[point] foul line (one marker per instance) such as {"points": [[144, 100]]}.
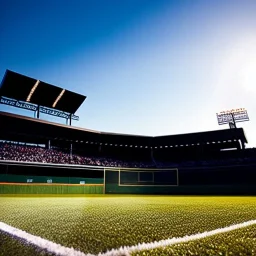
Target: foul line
{"points": [[122, 251]]}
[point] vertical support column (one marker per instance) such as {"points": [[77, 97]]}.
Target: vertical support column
{"points": [[38, 111], [119, 178], [71, 150], [177, 170], [238, 145], [70, 118], [202, 151], [152, 156], [49, 144], [104, 186], [233, 123], [242, 144], [151, 153]]}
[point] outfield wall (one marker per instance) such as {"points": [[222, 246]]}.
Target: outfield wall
{"points": [[8, 178], [36, 178], [19, 188], [184, 190], [221, 180]]}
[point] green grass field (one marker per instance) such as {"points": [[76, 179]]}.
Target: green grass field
{"points": [[99, 223]]}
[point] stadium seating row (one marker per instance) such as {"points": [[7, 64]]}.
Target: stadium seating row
{"points": [[32, 153]]}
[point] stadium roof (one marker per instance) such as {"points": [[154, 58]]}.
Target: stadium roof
{"points": [[23, 128], [27, 89], [204, 137]]}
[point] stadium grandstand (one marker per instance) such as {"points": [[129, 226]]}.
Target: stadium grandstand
{"points": [[38, 156]]}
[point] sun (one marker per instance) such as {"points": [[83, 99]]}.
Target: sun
{"points": [[237, 70]]}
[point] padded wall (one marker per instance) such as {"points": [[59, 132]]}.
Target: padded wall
{"points": [[50, 189], [58, 185], [48, 179]]}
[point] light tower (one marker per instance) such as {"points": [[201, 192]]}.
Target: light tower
{"points": [[232, 117]]}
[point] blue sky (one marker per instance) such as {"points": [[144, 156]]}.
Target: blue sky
{"points": [[147, 67]]}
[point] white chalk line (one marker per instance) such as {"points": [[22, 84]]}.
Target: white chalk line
{"points": [[41, 242], [122, 251]]}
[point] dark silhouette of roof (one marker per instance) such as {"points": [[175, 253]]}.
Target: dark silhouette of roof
{"points": [[27, 89], [35, 130]]}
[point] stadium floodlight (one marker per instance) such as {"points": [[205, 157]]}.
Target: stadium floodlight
{"points": [[32, 90], [232, 117]]}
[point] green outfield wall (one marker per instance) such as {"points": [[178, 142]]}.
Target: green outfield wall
{"points": [[50, 189], [23, 184], [183, 190], [31, 178], [216, 181], [48, 179]]}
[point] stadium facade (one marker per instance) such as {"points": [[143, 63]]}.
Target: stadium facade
{"points": [[41, 157]]}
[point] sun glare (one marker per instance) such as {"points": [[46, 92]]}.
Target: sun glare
{"points": [[237, 70], [248, 74]]}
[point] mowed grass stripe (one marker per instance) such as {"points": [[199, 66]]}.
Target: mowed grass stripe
{"points": [[126, 250]]}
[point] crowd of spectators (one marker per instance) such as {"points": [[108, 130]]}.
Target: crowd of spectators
{"points": [[32, 153], [27, 153]]}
